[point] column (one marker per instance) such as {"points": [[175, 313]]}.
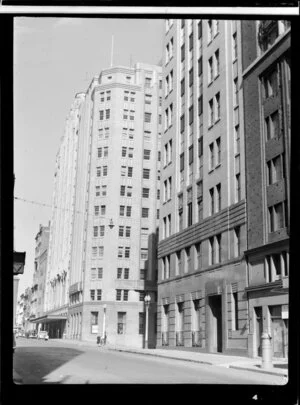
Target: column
{"points": [[282, 265]]}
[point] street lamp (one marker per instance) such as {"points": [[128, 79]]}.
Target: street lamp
{"points": [[104, 319], [147, 300]]}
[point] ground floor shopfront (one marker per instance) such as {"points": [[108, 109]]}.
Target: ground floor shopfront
{"points": [[207, 310], [268, 312], [54, 322]]}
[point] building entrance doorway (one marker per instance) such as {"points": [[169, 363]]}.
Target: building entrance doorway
{"points": [[279, 331], [215, 304]]}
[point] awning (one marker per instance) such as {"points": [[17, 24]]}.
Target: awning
{"points": [[49, 318]]}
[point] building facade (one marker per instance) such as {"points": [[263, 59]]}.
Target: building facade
{"points": [[60, 239], [202, 235], [112, 220], [267, 102], [39, 275]]}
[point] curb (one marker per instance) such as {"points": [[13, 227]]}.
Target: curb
{"points": [[203, 362], [285, 374], [161, 355]]}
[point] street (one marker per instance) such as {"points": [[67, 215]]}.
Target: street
{"points": [[46, 362]]}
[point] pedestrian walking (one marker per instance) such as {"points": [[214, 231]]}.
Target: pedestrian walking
{"points": [[98, 340]]}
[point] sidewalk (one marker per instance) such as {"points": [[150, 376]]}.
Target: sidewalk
{"points": [[280, 366]]}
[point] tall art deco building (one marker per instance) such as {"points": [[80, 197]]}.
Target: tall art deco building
{"points": [[202, 271], [102, 254]]}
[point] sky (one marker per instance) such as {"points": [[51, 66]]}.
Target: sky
{"points": [[55, 58]]}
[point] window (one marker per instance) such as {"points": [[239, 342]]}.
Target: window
{"points": [[209, 31], [191, 154], [141, 295], [191, 41], [101, 251], [121, 231], [182, 51], [122, 210], [104, 187], [105, 151], [127, 252], [198, 256], [101, 117], [237, 139], [237, 187], [210, 112], [124, 151], [119, 275], [122, 191], [199, 29], [93, 274], [99, 295], [211, 251], [182, 87], [218, 151], [219, 197], [94, 322], [237, 241], [129, 191], [234, 46], [128, 211], [129, 171], [218, 248], [142, 274], [99, 152], [102, 230], [210, 70], [96, 210], [100, 272], [121, 327], [95, 231], [191, 77], [236, 92], [144, 253], [92, 295], [211, 156], [190, 214], [104, 171], [216, 64], [147, 154], [270, 83], [107, 114], [127, 231], [182, 124], [103, 209], [126, 273], [182, 162], [272, 125], [277, 216], [191, 115], [217, 107], [94, 251], [97, 191], [200, 68], [146, 173], [141, 323], [145, 192], [125, 295], [200, 105], [130, 153], [99, 171], [275, 169], [118, 295], [212, 201], [147, 117], [145, 212]]}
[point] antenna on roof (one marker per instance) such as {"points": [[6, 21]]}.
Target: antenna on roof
{"points": [[112, 50]]}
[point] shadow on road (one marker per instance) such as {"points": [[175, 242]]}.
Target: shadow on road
{"points": [[33, 364]]}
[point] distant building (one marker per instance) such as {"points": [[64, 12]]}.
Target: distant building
{"points": [[202, 234], [102, 253], [39, 275], [267, 103]]}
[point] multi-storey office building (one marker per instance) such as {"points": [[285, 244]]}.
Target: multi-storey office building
{"points": [[61, 229], [39, 275], [112, 246], [202, 273], [267, 102]]}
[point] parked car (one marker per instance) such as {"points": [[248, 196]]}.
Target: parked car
{"points": [[43, 334], [33, 334]]}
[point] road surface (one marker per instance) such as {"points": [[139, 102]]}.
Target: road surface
{"points": [[46, 362]]}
